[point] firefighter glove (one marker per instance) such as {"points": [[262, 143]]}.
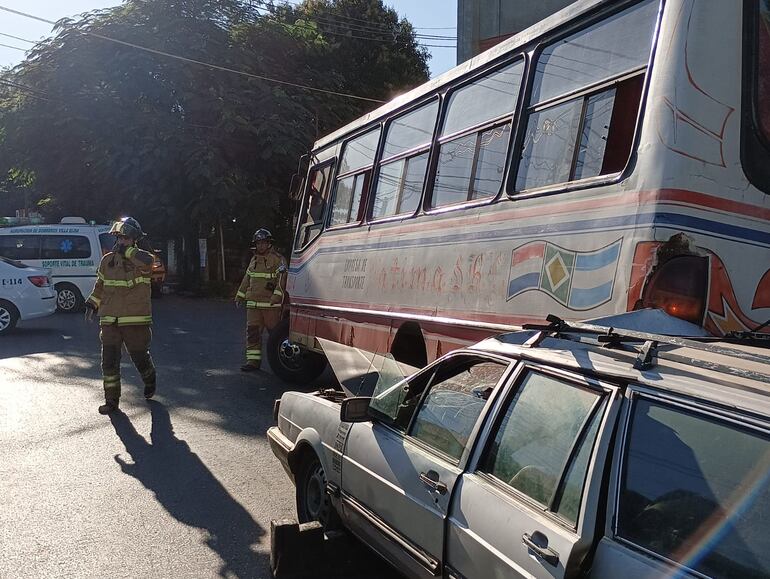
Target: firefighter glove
{"points": [[89, 312]]}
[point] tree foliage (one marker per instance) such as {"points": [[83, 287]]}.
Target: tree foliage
{"points": [[98, 128]]}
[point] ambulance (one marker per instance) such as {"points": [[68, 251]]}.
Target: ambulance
{"points": [[71, 250]]}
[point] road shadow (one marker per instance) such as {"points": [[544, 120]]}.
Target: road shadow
{"points": [[190, 493]]}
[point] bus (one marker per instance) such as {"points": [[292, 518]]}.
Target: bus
{"points": [[612, 157]]}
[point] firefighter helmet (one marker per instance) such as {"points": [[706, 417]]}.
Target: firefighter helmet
{"points": [[261, 235], [129, 227]]}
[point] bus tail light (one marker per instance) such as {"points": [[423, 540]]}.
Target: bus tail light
{"points": [[679, 287], [39, 280]]}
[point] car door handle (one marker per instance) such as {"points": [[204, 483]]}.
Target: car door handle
{"points": [[431, 480], [538, 543]]}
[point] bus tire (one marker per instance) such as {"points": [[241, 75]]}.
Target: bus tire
{"points": [[300, 368], [68, 298], [9, 316]]}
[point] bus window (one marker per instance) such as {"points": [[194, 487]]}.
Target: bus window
{"points": [[574, 130], [314, 206], [763, 69], [404, 162], [474, 137], [354, 175]]}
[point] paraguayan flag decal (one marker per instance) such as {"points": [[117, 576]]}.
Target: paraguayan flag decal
{"points": [[580, 280]]}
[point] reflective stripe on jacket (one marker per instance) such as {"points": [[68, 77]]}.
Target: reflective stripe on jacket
{"points": [[122, 293], [264, 278]]}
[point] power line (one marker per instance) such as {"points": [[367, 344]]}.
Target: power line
{"points": [[200, 62], [32, 92], [17, 38], [390, 33], [13, 47], [368, 22], [380, 39]]}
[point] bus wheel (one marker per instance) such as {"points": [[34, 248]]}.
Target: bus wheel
{"points": [[290, 362], [68, 298]]}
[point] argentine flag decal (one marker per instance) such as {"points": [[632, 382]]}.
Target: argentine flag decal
{"points": [[580, 280]]}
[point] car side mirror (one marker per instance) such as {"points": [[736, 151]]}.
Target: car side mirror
{"points": [[355, 409]]}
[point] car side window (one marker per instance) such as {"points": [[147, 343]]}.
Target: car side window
{"points": [[107, 242], [695, 489], [545, 436], [20, 246], [457, 395], [65, 247]]}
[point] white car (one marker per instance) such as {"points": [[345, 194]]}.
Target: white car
{"points": [[25, 293], [567, 450], [71, 249]]}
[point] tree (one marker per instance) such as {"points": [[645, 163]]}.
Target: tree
{"points": [[100, 128]]}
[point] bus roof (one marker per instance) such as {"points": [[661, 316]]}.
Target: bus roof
{"points": [[519, 40]]}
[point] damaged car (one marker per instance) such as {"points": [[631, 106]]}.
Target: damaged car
{"points": [[562, 450]]}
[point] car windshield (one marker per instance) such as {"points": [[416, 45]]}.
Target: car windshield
{"points": [[13, 263]]}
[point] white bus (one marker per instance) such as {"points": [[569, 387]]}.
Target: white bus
{"points": [[613, 156]]}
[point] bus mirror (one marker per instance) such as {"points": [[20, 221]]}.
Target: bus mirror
{"points": [[295, 187]]}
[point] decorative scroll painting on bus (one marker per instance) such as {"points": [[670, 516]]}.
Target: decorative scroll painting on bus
{"points": [[580, 280]]}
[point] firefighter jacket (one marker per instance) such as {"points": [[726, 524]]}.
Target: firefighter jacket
{"points": [[122, 293], [264, 282]]}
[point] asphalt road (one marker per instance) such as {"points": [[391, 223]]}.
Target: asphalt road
{"points": [[183, 486]]}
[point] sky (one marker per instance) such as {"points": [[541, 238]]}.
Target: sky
{"points": [[426, 15]]}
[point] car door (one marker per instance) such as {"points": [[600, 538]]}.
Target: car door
{"points": [[399, 470], [526, 505]]}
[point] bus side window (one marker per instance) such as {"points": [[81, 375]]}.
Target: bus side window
{"points": [[473, 147], [354, 177], [404, 162], [314, 206], [581, 123]]}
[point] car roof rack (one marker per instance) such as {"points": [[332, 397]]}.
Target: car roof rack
{"points": [[648, 353]]}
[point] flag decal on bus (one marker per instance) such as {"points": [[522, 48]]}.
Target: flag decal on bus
{"points": [[580, 280]]}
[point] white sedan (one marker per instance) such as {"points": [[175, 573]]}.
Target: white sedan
{"points": [[25, 293]]}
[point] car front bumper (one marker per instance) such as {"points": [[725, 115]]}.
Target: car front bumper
{"points": [[281, 447]]}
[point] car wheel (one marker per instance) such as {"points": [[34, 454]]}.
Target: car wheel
{"points": [[313, 503], [68, 298], [289, 362], [9, 316]]}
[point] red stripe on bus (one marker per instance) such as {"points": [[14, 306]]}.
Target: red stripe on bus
{"points": [[697, 200]]}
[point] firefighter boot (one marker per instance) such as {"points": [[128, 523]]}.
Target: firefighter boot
{"points": [[108, 407]]}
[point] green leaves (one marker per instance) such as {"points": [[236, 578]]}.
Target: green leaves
{"points": [[102, 128]]}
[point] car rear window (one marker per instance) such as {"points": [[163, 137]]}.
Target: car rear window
{"points": [[695, 490], [13, 263]]}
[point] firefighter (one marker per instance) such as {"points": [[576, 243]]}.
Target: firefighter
{"points": [[262, 289], [121, 299]]}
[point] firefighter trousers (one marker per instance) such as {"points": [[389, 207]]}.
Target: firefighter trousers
{"points": [[258, 320], [137, 340]]}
